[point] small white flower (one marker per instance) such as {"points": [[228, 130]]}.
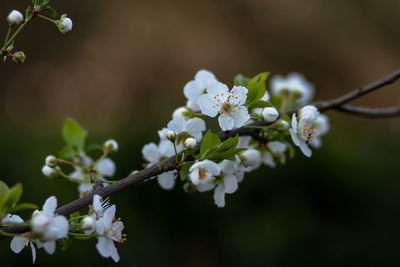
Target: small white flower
{"points": [[88, 225], [15, 17], [108, 229], [197, 87], [302, 132], [228, 184], [190, 143], [251, 157], [294, 84], [65, 24], [19, 242], [51, 161], [202, 172], [110, 146], [321, 128], [187, 128], [49, 226], [153, 154], [270, 114], [229, 104]]}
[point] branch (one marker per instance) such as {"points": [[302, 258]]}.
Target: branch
{"points": [[372, 113], [389, 79], [169, 164]]}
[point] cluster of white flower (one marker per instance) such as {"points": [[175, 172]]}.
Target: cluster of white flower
{"points": [[208, 97]]}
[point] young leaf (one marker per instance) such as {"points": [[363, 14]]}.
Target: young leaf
{"points": [[260, 104], [24, 206], [241, 80], [12, 198], [3, 190], [185, 169], [51, 11], [73, 134], [210, 142], [256, 88]]}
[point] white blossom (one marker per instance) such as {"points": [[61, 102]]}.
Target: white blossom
{"points": [[302, 131], [51, 172], [294, 84], [187, 128], [321, 128], [228, 183], [108, 229], [153, 154], [49, 226], [65, 24], [15, 17], [197, 87], [228, 104], [251, 157], [203, 171]]}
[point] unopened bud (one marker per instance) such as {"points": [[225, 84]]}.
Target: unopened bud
{"points": [[171, 136], [51, 172], [251, 157], [256, 112], [270, 114], [15, 17], [189, 188], [190, 143], [87, 224], [281, 125], [110, 146], [64, 24], [181, 112], [51, 161], [19, 57]]}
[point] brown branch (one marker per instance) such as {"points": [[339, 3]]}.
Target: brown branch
{"points": [[372, 113], [389, 79], [169, 164]]}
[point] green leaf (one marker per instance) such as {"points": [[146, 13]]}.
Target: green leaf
{"points": [[241, 80], [229, 144], [24, 206], [39, 3], [11, 198], [185, 169], [73, 134], [260, 104], [256, 88], [74, 214], [276, 100], [229, 155], [210, 142], [227, 150], [286, 118], [291, 150], [94, 147], [3, 190], [51, 10]]}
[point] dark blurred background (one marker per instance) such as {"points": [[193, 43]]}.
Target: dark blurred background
{"points": [[121, 72]]}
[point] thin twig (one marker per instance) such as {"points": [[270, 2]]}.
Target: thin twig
{"points": [[372, 113]]}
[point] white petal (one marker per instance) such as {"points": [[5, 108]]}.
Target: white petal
{"points": [[195, 125], [10, 218], [219, 196], [218, 88], [316, 142], [230, 184], [208, 105], [166, 180], [239, 94], [33, 252], [62, 225], [265, 97], [106, 167], [109, 215], [163, 133], [212, 166], [226, 122], [294, 122], [192, 90], [97, 200], [106, 248], [177, 124], [166, 148], [194, 176], [241, 116], [295, 138], [268, 160], [205, 187], [228, 166], [305, 149], [85, 188], [50, 247], [50, 205], [244, 141], [204, 77], [193, 105], [18, 243], [150, 152]]}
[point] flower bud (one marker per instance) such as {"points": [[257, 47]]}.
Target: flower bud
{"points": [[256, 112], [15, 17], [64, 24], [181, 112], [190, 143], [87, 224], [270, 114], [110, 146], [40, 222], [281, 125], [171, 136], [51, 172], [19, 57], [51, 161], [251, 157]]}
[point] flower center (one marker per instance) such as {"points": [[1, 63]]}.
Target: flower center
{"points": [[308, 131], [202, 173], [226, 107]]}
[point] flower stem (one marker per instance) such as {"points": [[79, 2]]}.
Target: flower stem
{"points": [[6, 234], [72, 178], [176, 153], [7, 36], [18, 31], [77, 218], [46, 18]]}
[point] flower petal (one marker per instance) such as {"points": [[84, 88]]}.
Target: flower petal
{"points": [[205, 187], [33, 251], [239, 95], [230, 184], [192, 90], [150, 152], [166, 148], [50, 205], [219, 196], [62, 225], [226, 122], [106, 167], [177, 124], [50, 247], [166, 180], [241, 116], [305, 149], [18, 243], [195, 126], [208, 105]]}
